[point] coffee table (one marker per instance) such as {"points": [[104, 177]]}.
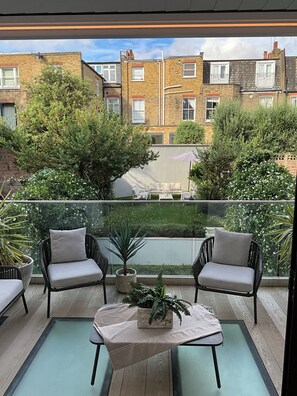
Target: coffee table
{"points": [[212, 341]]}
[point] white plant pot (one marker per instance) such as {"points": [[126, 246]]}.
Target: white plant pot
{"points": [[143, 315], [123, 281], [26, 271]]}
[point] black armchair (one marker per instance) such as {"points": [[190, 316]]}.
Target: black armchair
{"points": [[229, 279], [12, 288], [76, 274]]}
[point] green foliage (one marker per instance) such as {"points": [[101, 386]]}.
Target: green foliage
{"points": [[258, 177], [232, 122], [189, 132], [6, 139], [156, 299], [49, 184], [126, 243], [102, 148], [283, 233], [56, 97], [211, 173], [13, 238], [276, 128]]}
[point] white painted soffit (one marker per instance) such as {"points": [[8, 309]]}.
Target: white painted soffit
{"points": [[142, 18]]}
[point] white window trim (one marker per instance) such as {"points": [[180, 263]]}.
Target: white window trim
{"points": [[15, 76], [109, 68], [263, 82], [266, 104], [194, 106], [294, 101], [187, 63], [216, 79], [141, 74], [214, 99], [136, 120], [109, 101]]}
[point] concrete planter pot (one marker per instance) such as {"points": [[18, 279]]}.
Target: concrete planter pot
{"points": [[123, 281], [26, 271], [143, 315]]}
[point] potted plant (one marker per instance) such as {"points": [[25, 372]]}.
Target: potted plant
{"points": [[126, 243], [155, 306], [13, 240]]}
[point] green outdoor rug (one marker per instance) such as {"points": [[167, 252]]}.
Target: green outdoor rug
{"points": [[61, 364]]}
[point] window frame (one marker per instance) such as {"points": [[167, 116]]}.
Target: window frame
{"points": [[262, 97], [156, 135], [194, 69], [211, 99], [11, 104], [265, 81], [108, 68], [293, 102], [188, 109], [109, 104], [140, 68], [134, 119], [216, 78], [15, 77]]}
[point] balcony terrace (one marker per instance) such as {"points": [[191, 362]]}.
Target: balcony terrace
{"points": [[184, 223]]}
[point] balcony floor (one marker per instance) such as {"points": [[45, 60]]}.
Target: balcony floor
{"points": [[19, 333]]}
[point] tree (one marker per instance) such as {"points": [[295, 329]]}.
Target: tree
{"points": [[189, 132], [101, 148], [55, 98], [212, 172], [64, 126]]}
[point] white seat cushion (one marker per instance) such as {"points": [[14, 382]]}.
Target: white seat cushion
{"points": [[227, 277], [9, 289], [73, 273]]}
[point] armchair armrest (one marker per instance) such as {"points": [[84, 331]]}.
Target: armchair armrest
{"points": [[93, 251], [204, 255]]}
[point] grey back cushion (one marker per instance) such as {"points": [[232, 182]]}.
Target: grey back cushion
{"points": [[231, 248], [68, 245]]}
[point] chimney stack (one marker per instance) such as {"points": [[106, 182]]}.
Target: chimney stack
{"points": [[129, 55], [265, 55]]}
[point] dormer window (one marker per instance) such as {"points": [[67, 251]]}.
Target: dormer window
{"points": [[265, 74], [219, 73]]}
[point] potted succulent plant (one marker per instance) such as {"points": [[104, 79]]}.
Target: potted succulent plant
{"points": [[155, 306], [13, 240], [126, 243]]}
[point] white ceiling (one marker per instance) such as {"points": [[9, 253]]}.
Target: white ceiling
{"points": [[146, 18]]}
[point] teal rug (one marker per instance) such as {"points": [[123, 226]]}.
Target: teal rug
{"points": [[61, 364]]}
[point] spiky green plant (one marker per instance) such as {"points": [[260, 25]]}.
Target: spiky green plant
{"points": [[13, 240], [157, 300], [126, 243], [283, 233]]}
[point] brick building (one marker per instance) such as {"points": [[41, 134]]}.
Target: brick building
{"points": [[163, 92], [16, 70]]}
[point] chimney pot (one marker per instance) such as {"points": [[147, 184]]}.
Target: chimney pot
{"points": [[265, 55], [275, 45]]}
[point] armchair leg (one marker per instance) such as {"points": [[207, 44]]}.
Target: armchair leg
{"points": [[104, 293], [196, 295], [48, 303], [25, 303], [255, 308]]}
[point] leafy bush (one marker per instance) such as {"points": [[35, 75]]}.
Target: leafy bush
{"points": [[189, 132], [258, 177]]}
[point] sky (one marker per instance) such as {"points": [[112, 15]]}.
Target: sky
{"points": [[108, 50]]}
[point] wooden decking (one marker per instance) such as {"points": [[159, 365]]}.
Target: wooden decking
{"points": [[19, 333]]}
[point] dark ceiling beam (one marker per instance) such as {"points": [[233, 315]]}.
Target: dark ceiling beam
{"points": [[221, 24]]}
